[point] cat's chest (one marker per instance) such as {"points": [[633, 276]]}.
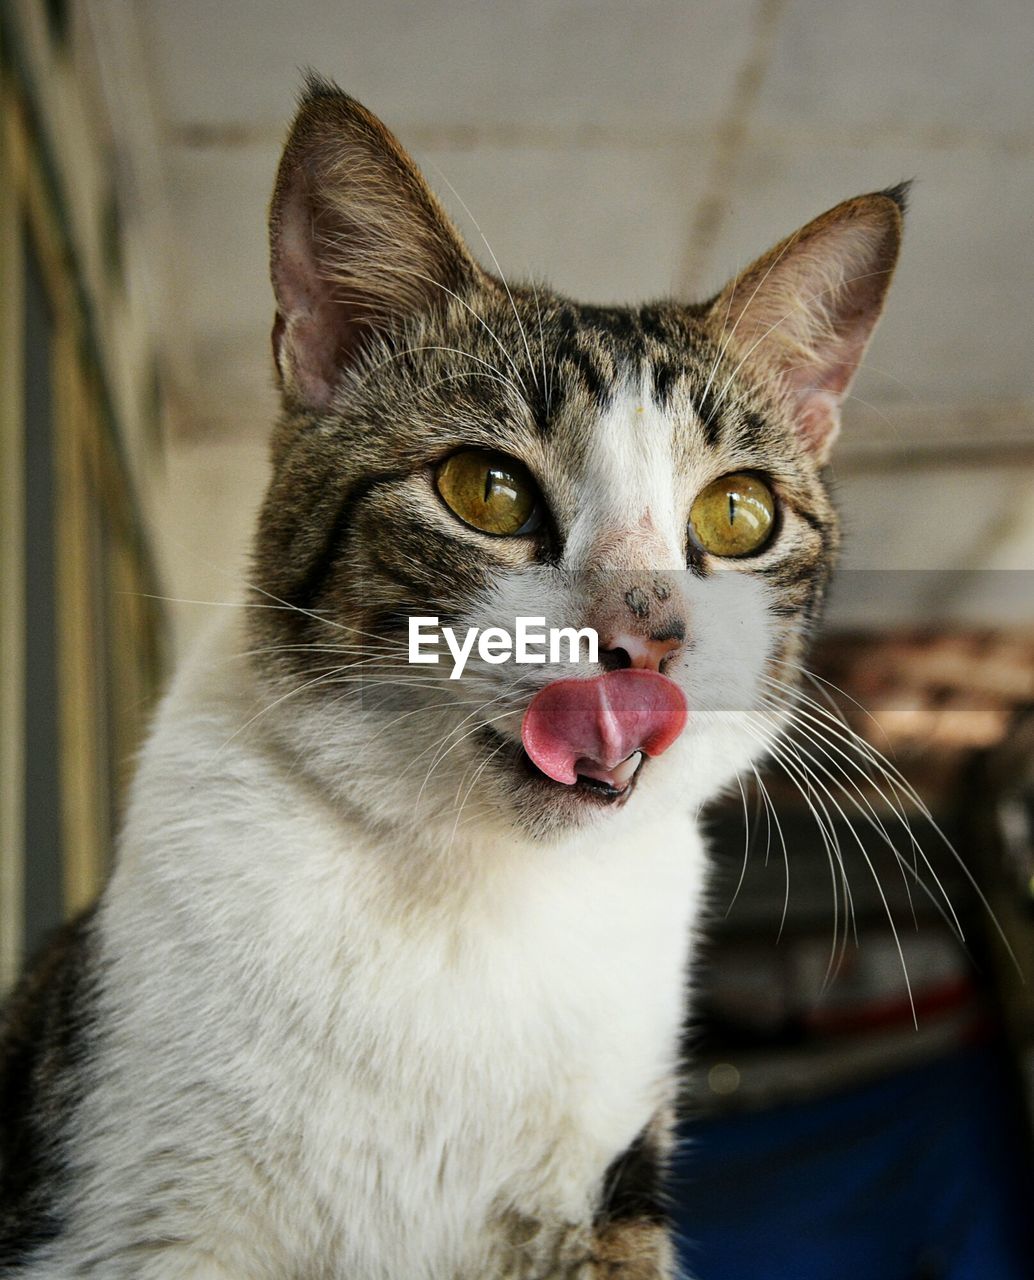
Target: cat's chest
{"points": [[388, 1068], [504, 1069]]}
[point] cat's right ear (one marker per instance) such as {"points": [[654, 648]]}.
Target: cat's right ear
{"points": [[358, 243], [804, 313]]}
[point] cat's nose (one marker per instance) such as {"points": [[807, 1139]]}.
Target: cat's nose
{"points": [[646, 652]]}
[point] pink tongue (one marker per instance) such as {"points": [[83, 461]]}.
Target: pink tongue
{"points": [[591, 726]]}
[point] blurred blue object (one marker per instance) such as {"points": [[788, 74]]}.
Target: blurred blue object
{"points": [[921, 1176]]}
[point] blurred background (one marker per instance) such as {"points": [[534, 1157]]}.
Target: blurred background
{"points": [[845, 1121]]}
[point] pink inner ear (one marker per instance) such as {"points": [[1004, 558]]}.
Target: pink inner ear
{"points": [[818, 421], [310, 329], [819, 390], [313, 342], [817, 414]]}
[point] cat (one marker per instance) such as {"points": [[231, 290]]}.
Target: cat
{"points": [[389, 976]]}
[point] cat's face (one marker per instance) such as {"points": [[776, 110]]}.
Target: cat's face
{"points": [[454, 447]]}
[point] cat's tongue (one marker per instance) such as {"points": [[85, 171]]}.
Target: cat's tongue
{"points": [[594, 727]]}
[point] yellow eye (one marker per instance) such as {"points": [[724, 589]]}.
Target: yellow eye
{"points": [[733, 515], [490, 491]]}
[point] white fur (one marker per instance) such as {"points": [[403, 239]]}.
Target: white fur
{"points": [[630, 485], [359, 1075]]}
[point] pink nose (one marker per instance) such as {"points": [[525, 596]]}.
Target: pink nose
{"points": [[641, 652]]}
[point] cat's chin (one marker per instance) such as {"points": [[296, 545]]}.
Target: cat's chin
{"points": [[562, 802]]}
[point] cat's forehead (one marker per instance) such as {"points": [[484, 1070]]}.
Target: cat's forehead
{"points": [[563, 350], [607, 389]]}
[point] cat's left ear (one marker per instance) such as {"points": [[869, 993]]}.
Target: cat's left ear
{"points": [[805, 311], [359, 245]]}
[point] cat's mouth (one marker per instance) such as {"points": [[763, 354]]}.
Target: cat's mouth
{"points": [[589, 738], [593, 734], [592, 784], [611, 786]]}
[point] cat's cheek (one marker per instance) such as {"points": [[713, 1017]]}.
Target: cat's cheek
{"points": [[733, 631]]}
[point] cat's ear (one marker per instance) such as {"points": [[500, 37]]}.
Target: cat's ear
{"points": [[358, 242], [805, 311]]}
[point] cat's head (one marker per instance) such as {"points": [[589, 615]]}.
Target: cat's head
{"points": [[458, 447]]}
